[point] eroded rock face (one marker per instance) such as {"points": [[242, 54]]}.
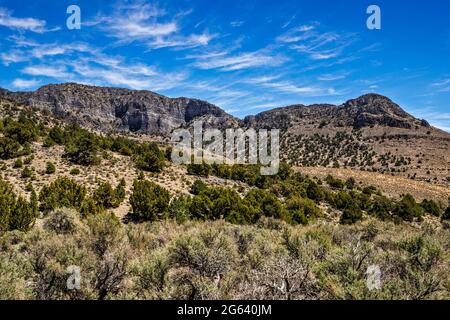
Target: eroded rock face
{"points": [[113, 109], [365, 111], [123, 110]]}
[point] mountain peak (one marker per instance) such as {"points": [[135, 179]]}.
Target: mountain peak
{"points": [[376, 104], [375, 109]]}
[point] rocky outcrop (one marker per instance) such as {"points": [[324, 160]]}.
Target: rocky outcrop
{"points": [[366, 111], [114, 109]]}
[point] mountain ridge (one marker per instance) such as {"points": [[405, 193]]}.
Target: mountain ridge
{"points": [[369, 133], [147, 112]]}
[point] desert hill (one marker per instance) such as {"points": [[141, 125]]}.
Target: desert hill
{"points": [[369, 133]]}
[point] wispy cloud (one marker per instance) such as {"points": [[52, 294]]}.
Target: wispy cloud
{"points": [[182, 42], [102, 69], [232, 62], [438, 119], [307, 39], [56, 72], [25, 84], [24, 24], [332, 77], [55, 49], [288, 87], [441, 85], [287, 23], [13, 56], [149, 25]]}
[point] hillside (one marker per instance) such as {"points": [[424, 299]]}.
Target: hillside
{"points": [[370, 133], [140, 227]]}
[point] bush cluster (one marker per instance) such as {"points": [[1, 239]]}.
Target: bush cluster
{"points": [[16, 213]]}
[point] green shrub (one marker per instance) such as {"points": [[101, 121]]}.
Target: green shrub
{"points": [[198, 187], [26, 173], [431, 207], [22, 131], [381, 207], [18, 163], [63, 192], [351, 215], [148, 200], [301, 211], [408, 209], [225, 201], [105, 196], [334, 182], [150, 158], [350, 183], [50, 168], [343, 200], [446, 215], [82, 149], [265, 204], [201, 207], [120, 192], [23, 216], [202, 170], [15, 213], [9, 148], [74, 171], [89, 207], [179, 208], [56, 135], [314, 192]]}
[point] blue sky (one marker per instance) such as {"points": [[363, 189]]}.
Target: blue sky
{"points": [[244, 56]]}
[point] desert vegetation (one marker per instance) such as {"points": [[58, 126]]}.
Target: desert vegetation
{"points": [[219, 260], [245, 236]]}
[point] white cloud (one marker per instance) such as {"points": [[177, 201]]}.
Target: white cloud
{"points": [[438, 119], [57, 72], [442, 85], [332, 77], [192, 41], [13, 56], [288, 87], [113, 72], [149, 25], [22, 42], [317, 45], [240, 61], [297, 34], [287, 23], [25, 24], [42, 50], [262, 79], [25, 84]]}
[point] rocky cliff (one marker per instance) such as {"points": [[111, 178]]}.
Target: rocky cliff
{"points": [[114, 109]]}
